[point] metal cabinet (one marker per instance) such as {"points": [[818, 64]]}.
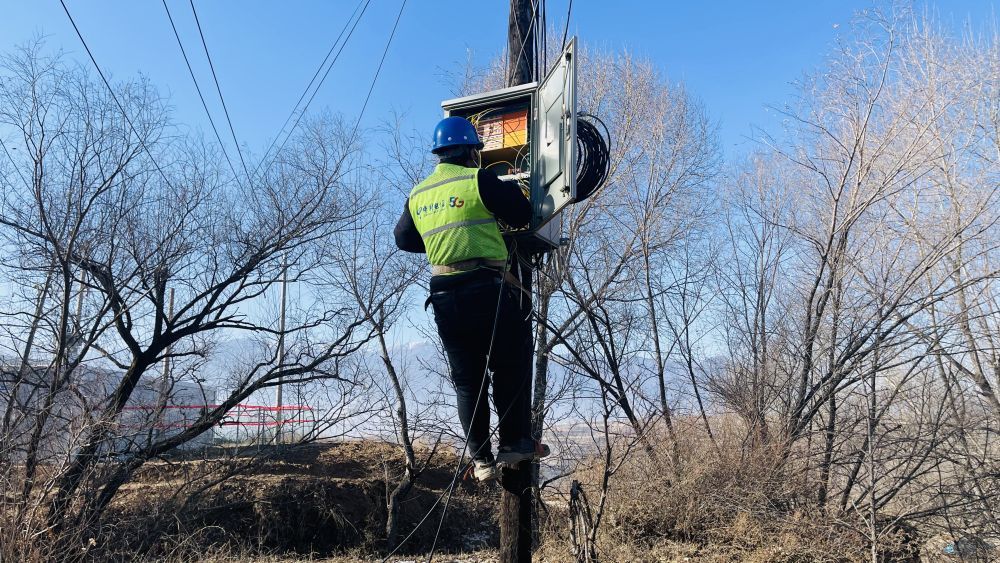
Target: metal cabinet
{"points": [[530, 137]]}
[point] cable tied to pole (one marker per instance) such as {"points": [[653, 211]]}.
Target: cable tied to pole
{"points": [[447, 493]]}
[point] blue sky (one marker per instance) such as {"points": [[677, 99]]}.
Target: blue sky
{"points": [[736, 56]]}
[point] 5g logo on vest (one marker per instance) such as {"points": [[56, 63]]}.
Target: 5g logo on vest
{"points": [[439, 206]]}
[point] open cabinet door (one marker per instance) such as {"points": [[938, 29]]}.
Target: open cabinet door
{"points": [[555, 154]]}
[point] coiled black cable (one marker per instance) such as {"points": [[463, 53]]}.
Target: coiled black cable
{"points": [[593, 164]]}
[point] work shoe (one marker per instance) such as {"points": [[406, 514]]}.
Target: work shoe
{"points": [[484, 470], [528, 450]]}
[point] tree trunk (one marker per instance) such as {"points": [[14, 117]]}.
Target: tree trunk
{"points": [[824, 472], [396, 497]]}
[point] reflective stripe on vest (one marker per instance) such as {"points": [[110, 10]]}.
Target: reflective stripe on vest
{"points": [[452, 219]]}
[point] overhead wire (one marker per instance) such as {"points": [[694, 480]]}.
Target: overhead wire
{"points": [[378, 70], [569, 12], [540, 50], [218, 89], [363, 6], [475, 409], [114, 96], [500, 418], [201, 96]]}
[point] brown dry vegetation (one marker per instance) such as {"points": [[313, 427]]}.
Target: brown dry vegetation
{"points": [[729, 505], [309, 501], [327, 501], [317, 501]]}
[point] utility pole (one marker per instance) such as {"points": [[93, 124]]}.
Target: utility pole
{"points": [[166, 360], [163, 422], [516, 503], [35, 321], [279, 418], [520, 41]]}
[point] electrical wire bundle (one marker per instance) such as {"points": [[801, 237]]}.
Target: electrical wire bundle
{"points": [[477, 117], [593, 156]]}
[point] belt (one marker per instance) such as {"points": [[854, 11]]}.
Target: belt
{"points": [[469, 265]]}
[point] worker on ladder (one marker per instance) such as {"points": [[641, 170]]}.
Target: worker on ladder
{"points": [[481, 311]]}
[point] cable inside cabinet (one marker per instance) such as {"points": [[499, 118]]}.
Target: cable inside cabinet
{"points": [[529, 133]]}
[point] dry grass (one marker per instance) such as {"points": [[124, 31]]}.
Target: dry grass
{"points": [[327, 503], [731, 504], [309, 503]]}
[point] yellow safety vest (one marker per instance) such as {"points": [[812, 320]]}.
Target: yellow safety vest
{"points": [[452, 219]]}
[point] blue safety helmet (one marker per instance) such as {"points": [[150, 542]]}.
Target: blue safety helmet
{"points": [[452, 131]]}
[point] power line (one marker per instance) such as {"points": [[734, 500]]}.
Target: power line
{"points": [[541, 63], [569, 11], [501, 417], [363, 6], [379, 69], [451, 486], [113, 95], [200, 95], [447, 491], [219, 90]]}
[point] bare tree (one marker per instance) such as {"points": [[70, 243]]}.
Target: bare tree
{"points": [[848, 278], [113, 209], [378, 276], [627, 265]]}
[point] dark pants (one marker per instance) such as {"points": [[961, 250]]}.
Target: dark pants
{"points": [[464, 309]]}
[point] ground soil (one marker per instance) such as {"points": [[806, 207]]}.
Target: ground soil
{"points": [[313, 501]]}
